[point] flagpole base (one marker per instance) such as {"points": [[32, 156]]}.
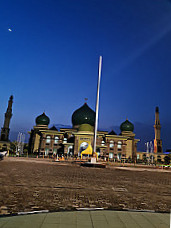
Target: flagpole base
{"points": [[94, 158]]}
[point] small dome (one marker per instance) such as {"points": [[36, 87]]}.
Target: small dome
{"points": [[112, 133], [127, 126], [54, 128], [42, 120], [83, 115], [85, 127]]}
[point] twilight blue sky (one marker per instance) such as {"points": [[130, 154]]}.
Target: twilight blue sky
{"points": [[50, 61]]}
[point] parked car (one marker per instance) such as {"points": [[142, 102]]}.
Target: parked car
{"points": [[3, 154], [1, 157]]}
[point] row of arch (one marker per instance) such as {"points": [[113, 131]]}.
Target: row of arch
{"points": [[119, 144], [56, 140], [48, 139]]}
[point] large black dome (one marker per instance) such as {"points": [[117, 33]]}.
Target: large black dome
{"points": [[127, 126], [83, 115], [42, 120]]}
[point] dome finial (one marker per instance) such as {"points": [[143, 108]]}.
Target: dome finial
{"points": [[86, 99]]}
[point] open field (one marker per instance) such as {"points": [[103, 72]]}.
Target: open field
{"points": [[31, 184]]}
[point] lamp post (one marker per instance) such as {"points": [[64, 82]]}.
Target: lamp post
{"points": [[147, 151], [151, 151]]}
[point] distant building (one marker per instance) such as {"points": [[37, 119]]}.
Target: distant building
{"points": [[78, 140], [4, 139], [157, 154]]}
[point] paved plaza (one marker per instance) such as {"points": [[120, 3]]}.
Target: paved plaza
{"points": [[88, 219], [38, 184], [28, 185]]}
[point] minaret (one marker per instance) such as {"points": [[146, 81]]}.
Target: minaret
{"points": [[157, 129], [5, 129]]}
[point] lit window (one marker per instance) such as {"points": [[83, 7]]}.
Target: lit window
{"points": [[119, 156], [70, 150], [110, 155], [56, 139], [103, 143], [111, 144], [46, 151], [54, 151], [119, 145], [48, 139], [65, 140]]}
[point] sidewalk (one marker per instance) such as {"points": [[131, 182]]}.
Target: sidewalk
{"points": [[88, 219]]}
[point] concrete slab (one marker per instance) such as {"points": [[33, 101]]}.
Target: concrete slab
{"points": [[88, 219]]}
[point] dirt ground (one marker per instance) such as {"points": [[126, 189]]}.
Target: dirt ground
{"points": [[32, 184]]}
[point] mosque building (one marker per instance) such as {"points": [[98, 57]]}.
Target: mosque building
{"points": [[4, 138], [78, 140]]}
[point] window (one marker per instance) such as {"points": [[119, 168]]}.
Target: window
{"points": [[103, 143], [54, 151], [98, 151], [110, 155], [65, 140], [56, 139], [46, 151], [70, 150], [119, 145], [119, 156], [111, 145], [48, 139]]}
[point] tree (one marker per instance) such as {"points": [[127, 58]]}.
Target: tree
{"points": [[144, 158], [13, 146], [167, 160], [25, 148], [159, 159]]}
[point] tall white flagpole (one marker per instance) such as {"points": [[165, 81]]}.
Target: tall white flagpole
{"points": [[97, 105]]}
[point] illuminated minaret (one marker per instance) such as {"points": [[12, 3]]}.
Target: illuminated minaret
{"points": [[157, 129], [5, 129]]}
